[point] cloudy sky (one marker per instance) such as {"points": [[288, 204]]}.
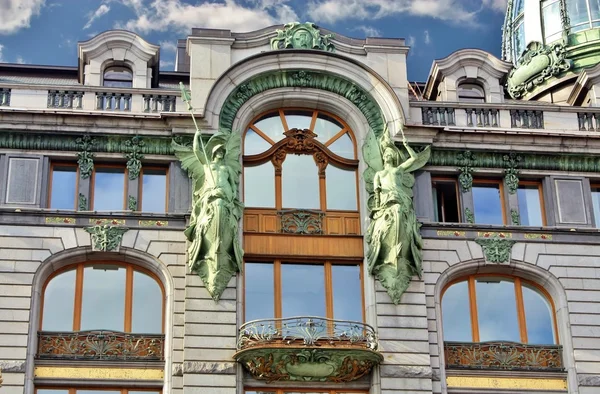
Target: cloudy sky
{"points": [[47, 31]]}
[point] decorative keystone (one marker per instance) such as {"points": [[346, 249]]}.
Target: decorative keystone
{"points": [[106, 238], [496, 249], [298, 35]]}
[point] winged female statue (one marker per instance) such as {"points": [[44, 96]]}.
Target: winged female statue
{"points": [[395, 244], [214, 251]]}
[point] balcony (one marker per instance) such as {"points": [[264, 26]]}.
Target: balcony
{"points": [[307, 348], [100, 346]]}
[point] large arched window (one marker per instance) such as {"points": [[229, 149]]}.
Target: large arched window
{"points": [[103, 296], [484, 308]]}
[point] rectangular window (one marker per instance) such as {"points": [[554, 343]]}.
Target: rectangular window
{"points": [[445, 200], [109, 188], [153, 197], [531, 206], [284, 289], [488, 202], [596, 204], [63, 186]]}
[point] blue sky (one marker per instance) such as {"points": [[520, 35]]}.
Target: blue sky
{"points": [[47, 31]]}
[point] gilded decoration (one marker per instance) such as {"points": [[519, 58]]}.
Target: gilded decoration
{"points": [[509, 383], [539, 63], [59, 220], [113, 222], [85, 157], [101, 373], [153, 223], [301, 221], [451, 233], [214, 251], [547, 237], [106, 238], [496, 248], [503, 356], [134, 156], [100, 345], [395, 245], [298, 35], [307, 349]]}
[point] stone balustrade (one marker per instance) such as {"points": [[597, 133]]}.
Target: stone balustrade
{"points": [[4, 97], [68, 99]]}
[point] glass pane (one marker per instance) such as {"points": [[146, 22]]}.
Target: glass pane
{"points": [[260, 291], [64, 181], [519, 32], [343, 146], [456, 313], [530, 206], [271, 125], [538, 317], [298, 119], [341, 188], [497, 310], [109, 189], [347, 292], [519, 4], [488, 204], [52, 391], [596, 205], [259, 186], [103, 299], [326, 127], [551, 20], [146, 315], [595, 9], [254, 143], [154, 191], [59, 301], [578, 12], [302, 290], [300, 182]]}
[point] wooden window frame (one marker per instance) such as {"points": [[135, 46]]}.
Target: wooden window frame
{"points": [[128, 301], [500, 183], [541, 195], [518, 286], [328, 276], [141, 186], [73, 390], [593, 186], [322, 179], [51, 181], [441, 179]]}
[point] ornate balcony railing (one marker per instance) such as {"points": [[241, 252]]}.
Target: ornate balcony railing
{"points": [[588, 121], [65, 99], [107, 101], [4, 97], [526, 119], [100, 345], [503, 356], [308, 349], [159, 103], [297, 221], [482, 117], [442, 116]]}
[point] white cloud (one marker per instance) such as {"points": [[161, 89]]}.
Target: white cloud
{"points": [[1, 58], [168, 46], [369, 31], [16, 14], [411, 41], [20, 60], [175, 15], [426, 37], [166, 64], [102, 10], [452, 11]]}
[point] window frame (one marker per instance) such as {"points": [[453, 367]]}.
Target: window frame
{"points": [[51, 181], [466, 98], [73, 390], [500, 183], [595, 187], [541, 196], [141, 186], [116, 66], [518, 283], [277, 285], [93, 183], [443, 179], [128, 301]]}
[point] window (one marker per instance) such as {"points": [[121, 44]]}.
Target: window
{"points": [[63, 186], [583, 14], [484, 308], [303, 391], [531, 204], [283, 289], [110, 189], [471, 93], [596, 204], [488, 202], [551, 20], [518, 28], [118, 77], [103, 296], [445, 200], [318, 179], [112, 390]]}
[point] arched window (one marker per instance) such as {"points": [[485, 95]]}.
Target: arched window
{"points": [[551, 22], [518, 28], [118, 77], [483, 308], [103, 296], [471, 92]]}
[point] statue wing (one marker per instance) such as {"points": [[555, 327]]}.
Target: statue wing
{"points": [[422, 159], [190, 162], [372, 155], [233, 151]]}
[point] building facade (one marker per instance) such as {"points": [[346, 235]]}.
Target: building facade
{"points": [[397, 237]]}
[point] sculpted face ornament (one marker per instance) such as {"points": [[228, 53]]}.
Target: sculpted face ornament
{"points": [[302, 36], [302, 39]]}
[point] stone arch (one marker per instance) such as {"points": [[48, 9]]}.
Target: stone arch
{"points": [[531, 272], [78, 255], [346, 78]]}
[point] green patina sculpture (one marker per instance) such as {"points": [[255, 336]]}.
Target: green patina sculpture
{"points": [[302, 36], [496, 249], [106, 238], [395, 245], [214, 251]]}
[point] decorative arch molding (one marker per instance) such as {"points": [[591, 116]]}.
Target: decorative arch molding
{"points": [[528, 271], [315, 70], [68, 257]]}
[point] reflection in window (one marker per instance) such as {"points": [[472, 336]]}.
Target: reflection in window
{"points": [[259, 186], [109, 189], [596, 204], [104, 295], [118, 77], [343, 146], [63, 185], [519, 39], [488, 203], [300, 182], [496, 308], [154, 190], [301, 289], [551, 21], [578, 15], [530, 204], [298, 119], [471, 93], [341, 188]]}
